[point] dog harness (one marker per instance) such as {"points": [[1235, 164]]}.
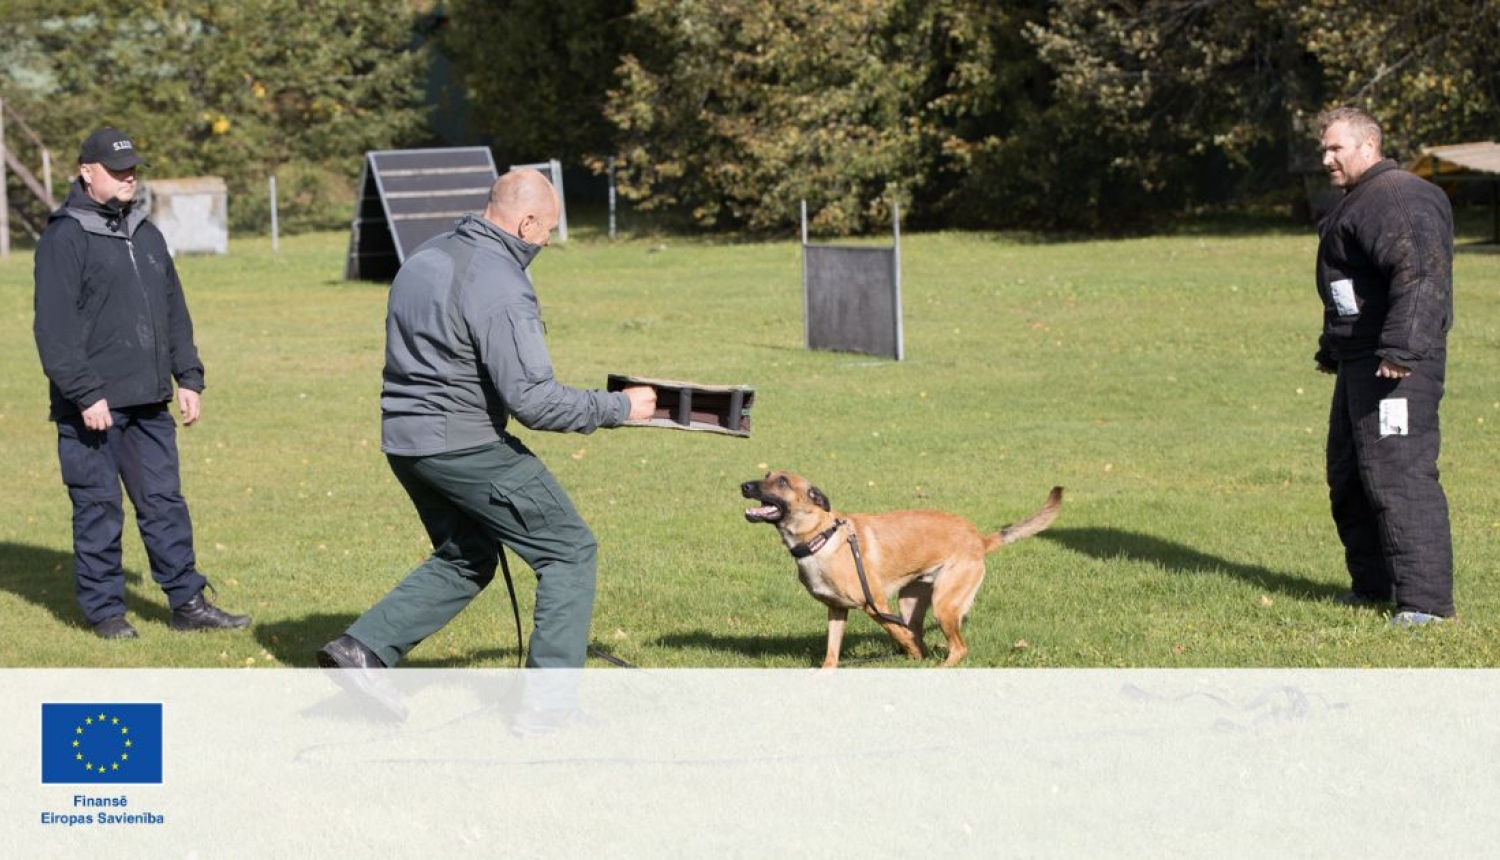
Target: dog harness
{"points": [[803, 550]]}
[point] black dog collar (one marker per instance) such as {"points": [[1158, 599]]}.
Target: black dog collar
{"points": [[803, 550]]}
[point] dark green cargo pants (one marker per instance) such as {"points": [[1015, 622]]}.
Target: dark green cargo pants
{"points": [[472, 502]]}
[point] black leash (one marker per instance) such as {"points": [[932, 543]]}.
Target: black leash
{"points": [[803, 550], [609, 658], [859, 567], [515, 608], [515, 611]]}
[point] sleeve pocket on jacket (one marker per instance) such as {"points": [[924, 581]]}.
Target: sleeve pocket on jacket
{"points": [[531, 346]]}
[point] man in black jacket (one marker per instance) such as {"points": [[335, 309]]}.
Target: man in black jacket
{"points": [[1385, 275], [113, 332]]}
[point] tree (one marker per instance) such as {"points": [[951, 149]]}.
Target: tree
{"points": [[988, 91], [1427, 70], [1162, 103], [226, 88], [534, 73], [1195, 102], [737, 110]]}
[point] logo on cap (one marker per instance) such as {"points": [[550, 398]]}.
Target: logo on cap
{"points": [[111, 148]]}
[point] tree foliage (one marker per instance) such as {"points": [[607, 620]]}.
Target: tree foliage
{"points": [[1429, 70], [1040, 114], [1164, 102], [1201, 101], [739, 110], [535, 72], [1068, 113], [225, 88], [968, 113]]}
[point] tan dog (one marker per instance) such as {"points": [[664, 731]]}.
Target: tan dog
{"points": [[929, 558]]}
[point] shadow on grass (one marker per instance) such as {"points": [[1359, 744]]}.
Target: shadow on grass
{"points": [[44, 577], [810, 648], [505, 658], [295, 641], [1108, 544]]}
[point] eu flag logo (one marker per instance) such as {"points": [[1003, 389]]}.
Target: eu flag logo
{"points": [[97, 743]]}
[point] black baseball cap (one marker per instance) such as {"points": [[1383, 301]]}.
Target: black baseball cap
{"points": [[111, 148]]}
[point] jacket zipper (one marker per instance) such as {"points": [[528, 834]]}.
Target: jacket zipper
{"points": [[150, 311]]}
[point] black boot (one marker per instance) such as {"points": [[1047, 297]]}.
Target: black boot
{"points": [[114, 627], [199, 614], [362, 673], [346, 652]]}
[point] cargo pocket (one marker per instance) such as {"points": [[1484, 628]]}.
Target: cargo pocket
{"points": [[87, 469], [527, 491], [531, 344]]}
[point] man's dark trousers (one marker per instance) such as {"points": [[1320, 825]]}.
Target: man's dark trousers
{"points": [[472, 502], [1390, 510], [140, 450]]}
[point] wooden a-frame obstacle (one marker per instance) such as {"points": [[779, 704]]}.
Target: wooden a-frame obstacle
{"points": [[407, 196]]}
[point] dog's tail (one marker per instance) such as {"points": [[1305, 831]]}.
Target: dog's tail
{"points": [[1029, 526]]}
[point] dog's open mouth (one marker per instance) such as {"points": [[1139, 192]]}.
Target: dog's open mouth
{"points": [[770, 509], [765, 514]]}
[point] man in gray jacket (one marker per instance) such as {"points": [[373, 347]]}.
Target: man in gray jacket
{"points": [[464, 355], [1385, 275]]}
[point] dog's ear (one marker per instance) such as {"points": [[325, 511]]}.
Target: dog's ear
{"points": [[816, 496]]}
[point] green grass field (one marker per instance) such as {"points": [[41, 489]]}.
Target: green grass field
{"points": [[1167, 382]]}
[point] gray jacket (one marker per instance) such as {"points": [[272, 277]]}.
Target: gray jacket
{"points": [[464, 350]]}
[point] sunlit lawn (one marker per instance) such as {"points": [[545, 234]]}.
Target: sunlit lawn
{"points": [[1167, 382]]}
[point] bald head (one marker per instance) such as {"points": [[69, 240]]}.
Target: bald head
{"points": [[524, 204]]}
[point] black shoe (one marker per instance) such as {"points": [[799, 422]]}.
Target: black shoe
{"points": [[362, 675], [115, 627], [346, 652], [199, 614], [1354, 598]]}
